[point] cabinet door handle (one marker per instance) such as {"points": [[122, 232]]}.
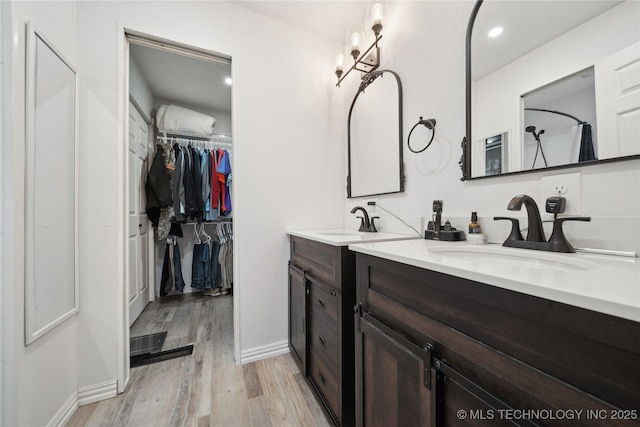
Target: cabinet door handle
{"points": [[322, 304], [324, 344], [324, 381]]}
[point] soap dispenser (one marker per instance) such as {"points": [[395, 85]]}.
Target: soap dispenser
{"points": [[475, 235], [474, 227]]}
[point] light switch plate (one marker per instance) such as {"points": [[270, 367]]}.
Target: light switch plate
{"points": [[568, 186]]}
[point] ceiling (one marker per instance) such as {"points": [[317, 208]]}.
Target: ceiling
{"points": [[329, 18], [527, 25], [191, 82], [184, 80]]}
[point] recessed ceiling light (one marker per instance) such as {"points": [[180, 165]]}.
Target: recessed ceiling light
{"points": [[495, 32], [228, 81]]}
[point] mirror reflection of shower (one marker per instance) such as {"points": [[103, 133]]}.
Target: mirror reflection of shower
{"points": [[565, 109], [532, 131]]}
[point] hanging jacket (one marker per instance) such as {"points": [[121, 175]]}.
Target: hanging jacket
{"points": [[178, 185], [158, 187], [215, 184]]}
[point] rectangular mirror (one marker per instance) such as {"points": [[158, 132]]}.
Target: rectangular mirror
{"points": [[51, 250]]}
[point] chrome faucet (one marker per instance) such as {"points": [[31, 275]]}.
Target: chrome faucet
{"points": [[535, 232], [366, 225]]}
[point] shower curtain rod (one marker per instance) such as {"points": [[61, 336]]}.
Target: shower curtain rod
{"points": [[580, 122]]}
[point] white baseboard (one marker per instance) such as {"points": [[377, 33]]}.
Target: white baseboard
{"points": [[97, 392], [65, 412], [264, 352]]}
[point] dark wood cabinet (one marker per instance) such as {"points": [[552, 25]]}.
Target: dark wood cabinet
{"points": [[494, 357], [297, 316], [391, 378], [328, 273]]}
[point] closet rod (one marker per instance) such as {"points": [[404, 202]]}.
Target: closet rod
{"points": [[213, 221], [195, 141]]}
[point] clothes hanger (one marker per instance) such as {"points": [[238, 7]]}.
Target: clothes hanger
{"points": [[197, 236], [220, 233], [208, 238]]}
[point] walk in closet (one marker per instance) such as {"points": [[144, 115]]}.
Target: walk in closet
{"points": [[180, 174]]}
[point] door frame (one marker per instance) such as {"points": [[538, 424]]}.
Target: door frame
{"points": [[123, 367]]}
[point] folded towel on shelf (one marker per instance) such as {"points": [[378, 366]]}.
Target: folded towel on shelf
{"points": [[174, 119]]}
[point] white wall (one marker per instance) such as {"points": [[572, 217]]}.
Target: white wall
{"points": [[283, 100], [139, 90], [44, 374], [2, 267], [424, 43]]}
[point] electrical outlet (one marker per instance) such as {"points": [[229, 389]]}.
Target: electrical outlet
{"points": [[567, 186], [560, 189]]}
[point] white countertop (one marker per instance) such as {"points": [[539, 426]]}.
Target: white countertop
{"points": [[341, 237], [602, 283]]}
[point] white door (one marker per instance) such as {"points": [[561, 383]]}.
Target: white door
{"points": [[139, 277], [618, 103]]}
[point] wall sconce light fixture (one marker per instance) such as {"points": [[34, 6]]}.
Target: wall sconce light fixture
{"points": [[370, 59]]}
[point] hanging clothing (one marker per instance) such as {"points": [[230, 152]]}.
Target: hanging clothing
{"points": [[171, 270], [157, 187], [215, 183], [189, 184], [167, 214], [226, 266], [214, 266], [178, 185], [223, 171], [586, 144], [200, 268]]}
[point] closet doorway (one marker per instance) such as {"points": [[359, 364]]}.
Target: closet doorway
{"points": [[172, 90]]}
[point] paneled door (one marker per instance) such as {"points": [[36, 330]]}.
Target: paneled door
{"points": [[139, 237], [618, 106], [392, 376]]}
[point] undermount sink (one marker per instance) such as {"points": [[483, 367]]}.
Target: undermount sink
{"points": [[514, 257]]}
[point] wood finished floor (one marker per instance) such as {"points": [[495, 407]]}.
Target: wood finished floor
{"points": [[206, 388]]}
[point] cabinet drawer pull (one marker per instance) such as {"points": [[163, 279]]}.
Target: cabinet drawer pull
{"points": [[322, 304], [324, 344], [324, 381]]}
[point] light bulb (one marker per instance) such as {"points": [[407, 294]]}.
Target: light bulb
{"points": [[495, 32], [340, 61], [376, 13], [355, 41]]}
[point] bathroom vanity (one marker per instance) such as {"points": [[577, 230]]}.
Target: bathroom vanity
{"points": [[449, 334], [321, 300]]}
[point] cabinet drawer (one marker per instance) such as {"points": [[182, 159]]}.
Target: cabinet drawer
{"points": [[318, 259], [323, 304], [324, 381], [324, 343]]}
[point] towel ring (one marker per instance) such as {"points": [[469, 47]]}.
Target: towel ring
{"points": [[429, 124]]}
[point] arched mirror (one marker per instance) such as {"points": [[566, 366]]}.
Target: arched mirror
{"points": [[551, 84], [375, 136]]}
